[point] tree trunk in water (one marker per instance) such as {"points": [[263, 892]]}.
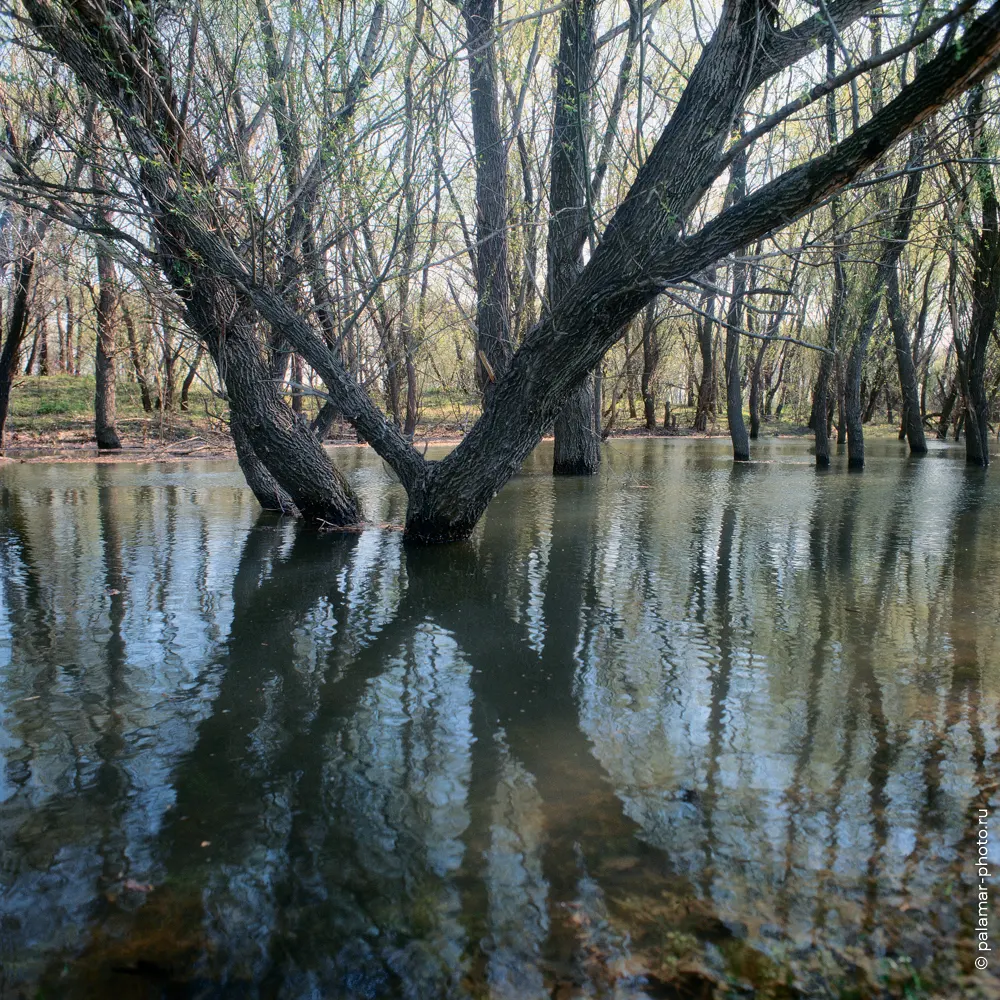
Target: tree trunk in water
{"points": [[820, 405], [705, 326], [650, 361], [985, 297], [754, 401], [734, 394], [104, 349], [576, 450], [913, 425], [284, 444], [262, 484], [947, 408]]}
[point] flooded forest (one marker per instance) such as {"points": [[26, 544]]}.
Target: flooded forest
{"points": [[495, 499]]}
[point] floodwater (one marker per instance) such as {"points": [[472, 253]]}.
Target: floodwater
{"points": [[685, 730]]}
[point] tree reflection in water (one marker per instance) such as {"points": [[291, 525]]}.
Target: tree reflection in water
{"points": [[628, 741]]}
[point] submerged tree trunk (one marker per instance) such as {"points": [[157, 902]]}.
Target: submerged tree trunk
{"points": [[985, 296], [734, 317], [705, 328], [912, 423], [576, 448], [754, 400], [650, 362]]}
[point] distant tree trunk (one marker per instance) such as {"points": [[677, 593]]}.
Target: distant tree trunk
{"points": [[43, 350], [912, 423], [576, 448], [136, 356], [104, 358], [650, 362], [705, 327], [193, 371], [755, 393]]}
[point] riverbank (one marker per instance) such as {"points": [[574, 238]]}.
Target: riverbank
{"points": [[51, 420]]}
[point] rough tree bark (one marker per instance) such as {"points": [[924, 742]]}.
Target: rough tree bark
{"points": [[493, 337], [104, 349], [734, 316], [913, 425], [650, 362], [705, 328], [576, 449], [835, 321], [971, 348]]}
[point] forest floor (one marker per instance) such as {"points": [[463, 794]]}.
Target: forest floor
{"points": [[51, 419]]}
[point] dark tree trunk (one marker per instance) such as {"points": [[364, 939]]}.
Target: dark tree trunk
{"points": [[912, 424], [43, 350], [985, 297], [755, 393], [104, 354], [707, 387], [948, 402], [576, 449], [17, 324], [193, 371], [650, 362], [493, 337], [734, 394], [262, 484], [136, 356]]}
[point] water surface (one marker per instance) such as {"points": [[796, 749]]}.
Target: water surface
{"points": [[687, 729]]}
